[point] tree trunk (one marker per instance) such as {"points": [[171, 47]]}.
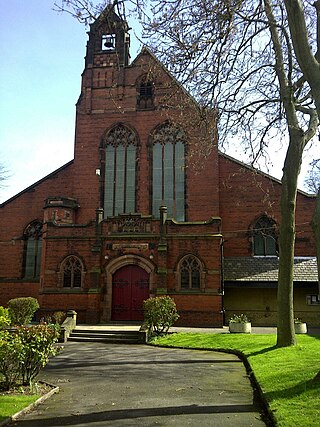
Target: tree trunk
{"points": [[285, 334], [316, 232]]}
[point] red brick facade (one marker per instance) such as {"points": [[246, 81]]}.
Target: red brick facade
{"points": [[184, 259]]}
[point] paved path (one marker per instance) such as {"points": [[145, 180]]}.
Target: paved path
{"points": [[139, 385]]}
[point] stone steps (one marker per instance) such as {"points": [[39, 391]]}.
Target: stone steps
{"points": [[110, 336]]}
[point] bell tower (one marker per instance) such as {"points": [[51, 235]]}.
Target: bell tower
{"points": [[109, 41]]}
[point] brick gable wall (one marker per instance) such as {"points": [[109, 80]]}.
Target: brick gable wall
{"points": [[245, 194]]}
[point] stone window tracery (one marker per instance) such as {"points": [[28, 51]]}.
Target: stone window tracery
{"points": [[190, 273], [71, 272], [264, 237]]}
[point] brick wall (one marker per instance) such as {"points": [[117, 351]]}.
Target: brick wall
{"points": [[244, 196]]}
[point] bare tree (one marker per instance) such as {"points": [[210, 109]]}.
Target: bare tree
{"points": [[3, 176], [257, 62], [86, 11]]}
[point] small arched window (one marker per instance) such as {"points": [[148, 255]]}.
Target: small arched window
{"points": [[190, 273], [32, 250], [71, 272], [145, 96], [264, 237]]}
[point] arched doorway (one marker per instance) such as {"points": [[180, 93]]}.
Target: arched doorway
{"points": [[130, 287]]}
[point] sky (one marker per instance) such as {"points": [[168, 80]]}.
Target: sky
{"points": [[42, 58]]}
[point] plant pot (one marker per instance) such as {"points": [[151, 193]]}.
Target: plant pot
{"points": [[300, 328], [239, 328]]}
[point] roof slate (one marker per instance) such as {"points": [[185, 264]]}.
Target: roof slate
{"points": [[265, 269]]}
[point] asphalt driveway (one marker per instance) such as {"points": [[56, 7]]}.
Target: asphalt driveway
{"points": [[139, 385]]}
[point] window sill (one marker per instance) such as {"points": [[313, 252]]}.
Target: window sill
{"points": [[64, 291], [191, 291], [146, 109], [70, 291]]}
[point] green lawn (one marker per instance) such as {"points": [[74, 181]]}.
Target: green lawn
{"points": [[13, 403], [284, 374]]}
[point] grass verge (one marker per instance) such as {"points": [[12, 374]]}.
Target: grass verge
{"points": [[10, 404], [286, 375]]}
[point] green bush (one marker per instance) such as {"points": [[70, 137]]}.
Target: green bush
{"points": [[239, 318], [159, 314], [59, 317], [11, 349], [4, 317], [21, 310], [38, 345], [24, 352]]}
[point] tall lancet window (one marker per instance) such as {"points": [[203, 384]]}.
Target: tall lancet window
{"points": [[32, 250], [120, 171], [168, 171]]}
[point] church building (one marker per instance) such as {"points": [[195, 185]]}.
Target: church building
{"points": [[149, 207]]}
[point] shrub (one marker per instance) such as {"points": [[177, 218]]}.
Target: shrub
{"points": [[11, 349], [160, 313], [239, 318], [24, 352], [59, 317], [38, 345], [21, 310], [4, 317]]}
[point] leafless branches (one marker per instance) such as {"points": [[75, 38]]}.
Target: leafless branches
{"points": [[224, 53], [4, 175], [86, 11], [312, 181]]}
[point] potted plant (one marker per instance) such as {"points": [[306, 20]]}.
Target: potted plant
{"points": [[239, 324], [300, 327]]}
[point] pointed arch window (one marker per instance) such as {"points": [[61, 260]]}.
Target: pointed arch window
{"points": [[190, 273], [265, 237], [145, 97], [72, 272], [120, 171], [32, 250], [168, 171]]}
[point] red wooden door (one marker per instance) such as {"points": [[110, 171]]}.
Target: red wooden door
{"points": [[130, 287]]}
